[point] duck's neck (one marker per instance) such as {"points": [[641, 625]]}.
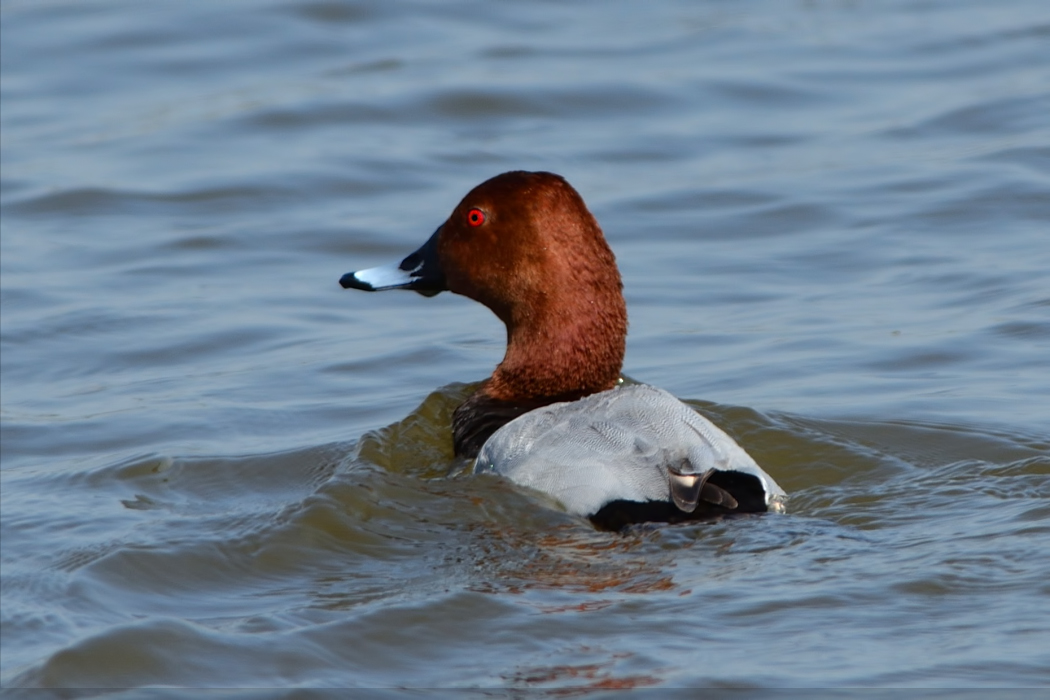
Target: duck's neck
{"points": [[550, 358], [562, 353]]}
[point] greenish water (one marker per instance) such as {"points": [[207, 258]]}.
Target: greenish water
{"points": [[220, 469]]}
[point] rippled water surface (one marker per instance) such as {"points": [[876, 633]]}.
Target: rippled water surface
{"points": [[220, 469]]}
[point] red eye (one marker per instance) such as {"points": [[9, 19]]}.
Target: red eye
{"points": [[475, 217]]}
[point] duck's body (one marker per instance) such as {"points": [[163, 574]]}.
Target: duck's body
{"points": [[632, 445], [550, 417]]}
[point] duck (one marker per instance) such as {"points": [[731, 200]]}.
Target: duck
{"points": [[556, 416]]}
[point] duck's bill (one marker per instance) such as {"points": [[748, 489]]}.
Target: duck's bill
{"points": [[420, 272]]}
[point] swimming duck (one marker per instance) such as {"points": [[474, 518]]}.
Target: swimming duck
{"points": [[554, 416]]}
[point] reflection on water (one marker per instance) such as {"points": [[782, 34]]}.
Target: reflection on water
{"points": [[350, 550], [830, 219]]}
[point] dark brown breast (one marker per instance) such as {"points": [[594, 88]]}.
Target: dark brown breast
{"points": [[481, 415]]}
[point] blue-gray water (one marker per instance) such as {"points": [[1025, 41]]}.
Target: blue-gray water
{"points": [[220, 469]]}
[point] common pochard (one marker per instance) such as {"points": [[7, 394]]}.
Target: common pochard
{"points": [[555, 415]]}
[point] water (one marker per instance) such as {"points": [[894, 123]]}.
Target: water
{"points": [[220, 469]]}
